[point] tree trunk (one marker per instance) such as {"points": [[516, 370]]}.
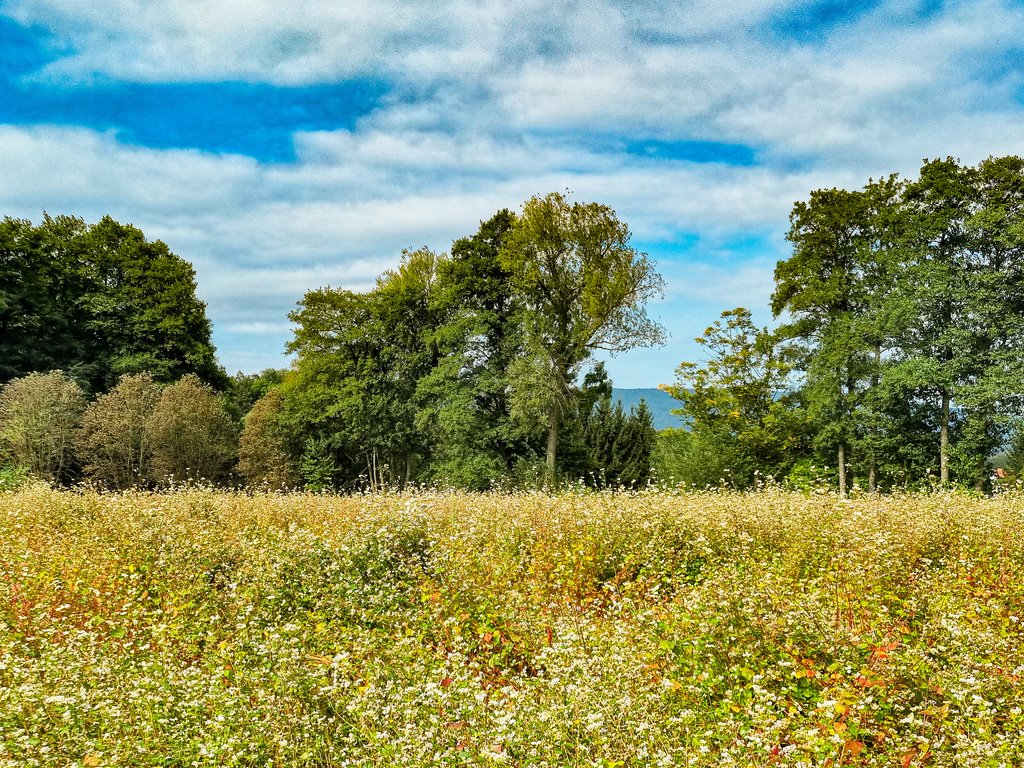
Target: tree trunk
{"points": [[842, 469], [944, 441], [552, 451], [873, 459]]}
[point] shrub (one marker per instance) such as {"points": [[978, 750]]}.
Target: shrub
{"points": [[263, 457], [114, 445], [39, 416], [190, 432]]}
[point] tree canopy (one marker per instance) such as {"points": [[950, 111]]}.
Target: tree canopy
{"points": [[583, 288], [903, 304], [99, 302]]}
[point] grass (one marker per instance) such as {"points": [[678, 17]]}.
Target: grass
{"points": [[205, 628]]}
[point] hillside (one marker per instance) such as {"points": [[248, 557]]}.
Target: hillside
{"points": [[660, 403]]}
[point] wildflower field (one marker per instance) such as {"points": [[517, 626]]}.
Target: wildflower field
{"points": [[207, 628]]}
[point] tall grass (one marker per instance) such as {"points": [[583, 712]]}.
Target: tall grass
{"points": [[206, 628]]}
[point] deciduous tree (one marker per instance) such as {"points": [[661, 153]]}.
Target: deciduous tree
{"points": [[583, 288], [264, 455], [190, 433]]}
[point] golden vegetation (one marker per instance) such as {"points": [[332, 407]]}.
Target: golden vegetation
{"points": [[203, 628]]}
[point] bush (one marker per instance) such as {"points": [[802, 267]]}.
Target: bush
{"points": [[263, 457], [191, 434], [39, 416], [114, 444]]}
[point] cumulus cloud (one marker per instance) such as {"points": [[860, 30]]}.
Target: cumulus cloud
{"points": [[482, 105]]}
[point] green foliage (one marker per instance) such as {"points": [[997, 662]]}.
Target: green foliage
{"points": [[452, 368], [583, 288], [190, 434], [618, 447], [13, 477], [465, 411], [908, 301], [316, 467], [39, 418], [807, 476], [98, 301], [145, 309], [245, 389], [360, 357], [739, 406]]}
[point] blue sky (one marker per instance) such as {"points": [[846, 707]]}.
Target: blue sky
{"points": [[282, 148]]}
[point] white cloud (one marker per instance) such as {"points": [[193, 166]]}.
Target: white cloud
{"points": [[494, 102]]}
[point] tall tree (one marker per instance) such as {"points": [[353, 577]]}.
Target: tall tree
{"points": [[583, 288], [991, 395], [836, 288], [144, 309], [43, 284], [98, 302], [360, 356], [822, 285], [464, 407]]}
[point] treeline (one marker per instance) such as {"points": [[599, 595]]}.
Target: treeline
{"points": [[474, 368], [900, 356], [471, 369], [898, 360]]}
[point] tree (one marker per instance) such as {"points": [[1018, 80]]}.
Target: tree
{"points": [[43, 283], [583, 288], [935, 345], [619, 446], [190, 433], [264, 457], [352, 394], [145, 309], [821, 285], [113, 445], [98, 302], [245, 389], [990, 397], [739, 405], [464, 409], [39, 417]]}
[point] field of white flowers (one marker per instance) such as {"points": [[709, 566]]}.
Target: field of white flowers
{"points": [[204, 628]]}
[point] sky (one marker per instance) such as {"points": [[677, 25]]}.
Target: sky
{"points": [[280, 147]]}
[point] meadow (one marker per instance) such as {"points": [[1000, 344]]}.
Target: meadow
{"points": [[657, 628]]}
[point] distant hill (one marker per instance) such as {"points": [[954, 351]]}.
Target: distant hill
{"points": [[660, 403]]}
